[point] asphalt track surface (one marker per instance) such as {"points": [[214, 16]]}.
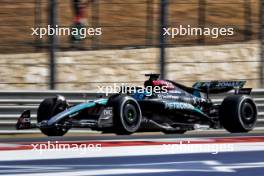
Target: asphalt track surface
{"points": [[230, 164], [136, 155]]}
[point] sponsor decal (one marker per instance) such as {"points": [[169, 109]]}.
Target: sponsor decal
{"points": [[221, 84], [229, 84], [178, 105], [168, 97], [108, 112]]}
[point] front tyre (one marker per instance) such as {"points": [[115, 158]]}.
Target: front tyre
{"points": [[47, 109], [126, 115], [238, 113]]}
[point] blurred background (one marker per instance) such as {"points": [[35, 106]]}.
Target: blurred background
{"points": [[131, 43]]}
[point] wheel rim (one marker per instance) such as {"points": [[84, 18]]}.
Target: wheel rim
{"points": [[131, 115], [248, 114]]}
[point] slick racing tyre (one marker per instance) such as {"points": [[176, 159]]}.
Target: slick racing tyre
{"points": [[126, 115], [47, 109], [238, 113]]}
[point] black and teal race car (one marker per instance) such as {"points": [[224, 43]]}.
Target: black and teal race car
{"points": [[175, 109]]}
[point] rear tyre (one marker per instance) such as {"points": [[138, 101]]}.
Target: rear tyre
{"points": [[126, 115], [238, 113], [47, 109]]}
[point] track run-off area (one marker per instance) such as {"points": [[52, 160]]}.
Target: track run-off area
{"points": [[197, 153]]}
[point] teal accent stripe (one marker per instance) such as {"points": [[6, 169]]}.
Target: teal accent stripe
{"points": [[75, 109], [87, 105]]}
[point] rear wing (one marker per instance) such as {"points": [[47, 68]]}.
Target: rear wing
{"points": [[218, 86]]}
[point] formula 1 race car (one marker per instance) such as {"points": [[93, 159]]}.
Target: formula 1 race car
{"points": [[161, 105]]}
